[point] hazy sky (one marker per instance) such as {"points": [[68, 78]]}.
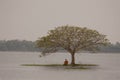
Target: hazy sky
{"points": [[31, 19]]}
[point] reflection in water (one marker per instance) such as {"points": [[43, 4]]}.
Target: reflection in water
{"points": [[10, 68]]}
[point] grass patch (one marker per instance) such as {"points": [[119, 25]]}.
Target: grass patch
{"points": [[60, 66], [42, 65]]}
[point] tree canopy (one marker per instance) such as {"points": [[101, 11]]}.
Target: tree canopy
{"points": [[72, 39]]}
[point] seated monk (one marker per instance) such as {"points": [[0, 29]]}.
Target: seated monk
{"points": [[66, 62]]}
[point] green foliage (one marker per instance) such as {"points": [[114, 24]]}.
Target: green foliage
{"points": [[72, 39]]}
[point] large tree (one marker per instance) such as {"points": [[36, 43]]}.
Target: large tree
{"points": [[72, 39]]}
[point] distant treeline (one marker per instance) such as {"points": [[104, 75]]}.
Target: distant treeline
{"points": [[18, 45], [111, 48]]}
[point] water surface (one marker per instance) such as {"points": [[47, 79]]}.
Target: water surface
{"points": [[11, 69]]}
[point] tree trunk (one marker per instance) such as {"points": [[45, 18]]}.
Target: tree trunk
{"points": [[73, 59]]}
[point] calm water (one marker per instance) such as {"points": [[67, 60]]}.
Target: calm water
{"points": [[11, 69]]}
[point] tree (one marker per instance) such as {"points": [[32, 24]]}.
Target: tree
{"points": [[72, 39]]}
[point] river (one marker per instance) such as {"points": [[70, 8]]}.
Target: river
{"points": [[11, 69]]}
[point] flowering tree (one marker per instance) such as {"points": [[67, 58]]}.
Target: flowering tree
{"points": [[71, 39]]}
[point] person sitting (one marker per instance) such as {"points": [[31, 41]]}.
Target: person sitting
{"points": [[66, 62]]}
